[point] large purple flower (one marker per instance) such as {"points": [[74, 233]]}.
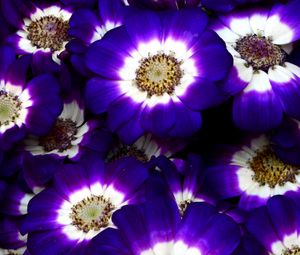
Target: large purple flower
{"points": [[156, 228], [65, 217], [266, 85], [254, 173], [276, 226], [155, 73], [24, 104]]}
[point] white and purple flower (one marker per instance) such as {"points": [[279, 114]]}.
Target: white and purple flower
{"points": [[43, 29], [157, 228], [155, 73], [265, 83], [23, 104], [254, 173], [276, 226], [80, 204]]}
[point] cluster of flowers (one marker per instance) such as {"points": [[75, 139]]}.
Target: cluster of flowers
{"points": [[149, 127]]}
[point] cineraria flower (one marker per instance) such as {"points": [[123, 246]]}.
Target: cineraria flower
{"points": [[255, 173], [11, 241], [182, 180], [156, 228], [71, 136], [276, 226], [155, 73], [43, 30], [87, 26], [63, 218], [286, 141], [145, 148], [266, 84], [25, 104], [162, 4]]}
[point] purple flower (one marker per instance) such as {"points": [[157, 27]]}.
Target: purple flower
{"points": [[155, 73], [88, 26], [71, 136], [157, 228], [79, 205], [11, 241], [43, 29], [265, 84], [276, 226], [181, 180], [146, 148], [24, 105], [254, 173]]}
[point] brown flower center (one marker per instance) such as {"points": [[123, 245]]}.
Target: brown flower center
{"points": [[92, 213], [260, 52], [127, 151], [183, 206], [60, 137], [48, 32], [293, 251], [158, 74], [270, 170]]}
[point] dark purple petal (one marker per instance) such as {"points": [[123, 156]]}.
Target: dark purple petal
{"points": [[101, 93], [257, 111], [159, 118]]}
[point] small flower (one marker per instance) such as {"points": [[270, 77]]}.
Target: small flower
{"points": [[145, 148], [265, 83], [275, 226], [88, 26], [255, 173], [11, 241], [182, 180], [157, 228], [43, 30], [71, 136], [157, 73], [24, 105], [81, 203]]}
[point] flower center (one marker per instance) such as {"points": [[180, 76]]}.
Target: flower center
{"points": [[48, 32], [158, 74], [293, 251], [269, 169], [12, 252], [127, 151], [10, 107], [183, 205], [260, 52], [92, 213], [60, 137]]}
